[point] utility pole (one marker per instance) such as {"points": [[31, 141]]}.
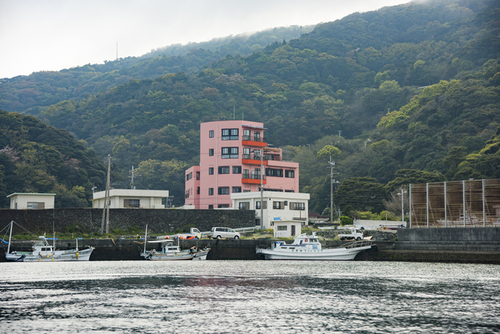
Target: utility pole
{"points": [[262, 190], [402, 205], [332, 164], [105, 213]]}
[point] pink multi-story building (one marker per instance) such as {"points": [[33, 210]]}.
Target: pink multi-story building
{"points": [[230, 162]]}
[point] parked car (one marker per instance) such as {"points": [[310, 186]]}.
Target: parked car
{"points": [[224, 232]]}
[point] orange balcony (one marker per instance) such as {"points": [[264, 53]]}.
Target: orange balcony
{"points": [[252, 179], [253, 162], [255, 142]]}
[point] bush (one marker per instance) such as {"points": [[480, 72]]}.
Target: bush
{"points": [[344, 220]]}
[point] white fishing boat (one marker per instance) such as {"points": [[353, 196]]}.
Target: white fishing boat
{"points": [[171, 252], [308, 247], [43, 251]]}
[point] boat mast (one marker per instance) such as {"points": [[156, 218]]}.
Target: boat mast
{"points": [[10, 236]]}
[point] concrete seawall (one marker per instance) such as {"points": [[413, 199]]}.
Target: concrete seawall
{"points": [[449, 239]]}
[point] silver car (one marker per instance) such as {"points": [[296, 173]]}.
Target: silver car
{"points": [[224, 232]]}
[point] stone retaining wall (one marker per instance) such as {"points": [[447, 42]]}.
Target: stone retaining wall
{"points": [[158, 220]]}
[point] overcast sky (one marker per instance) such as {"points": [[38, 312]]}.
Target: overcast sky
{"points": [[41, 35]]}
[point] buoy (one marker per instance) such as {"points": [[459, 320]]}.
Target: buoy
{"points": [[77, 255]]}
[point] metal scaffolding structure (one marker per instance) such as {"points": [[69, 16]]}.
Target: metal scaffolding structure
{"points": [[471, 203]]}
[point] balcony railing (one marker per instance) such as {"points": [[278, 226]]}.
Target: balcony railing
{"points": [[252, 176], [267, 157], [252, 138]]}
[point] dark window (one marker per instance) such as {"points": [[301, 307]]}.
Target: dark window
{"points": [[224, 170], [132, 203], [210, 207], [229, 153], [236, 169], [244, 205], [257, 205], [210, 171], [246, 134], [230, 134], [198, 190], [211, 134], [35, 205], [198, 176], [278, 205], [223, 206], [236, 190], [246, 153], [297, 206], [223, 190], [289, 173], [211, 152], [256, 136], [274, 172], [210, 191]]}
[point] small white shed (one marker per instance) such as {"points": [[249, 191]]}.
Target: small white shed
{"points": [[32, 201], [287, 229]]}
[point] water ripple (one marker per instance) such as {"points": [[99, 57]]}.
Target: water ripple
{"points": [[250, 297]]}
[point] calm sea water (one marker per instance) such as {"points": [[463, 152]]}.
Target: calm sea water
{"points": [[249, 297]]}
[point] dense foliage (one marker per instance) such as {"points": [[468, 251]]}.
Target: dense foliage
{"points": [[405, 94], [36, 157]]}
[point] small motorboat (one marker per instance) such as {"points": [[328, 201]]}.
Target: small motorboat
{"points": [[308, 247]]}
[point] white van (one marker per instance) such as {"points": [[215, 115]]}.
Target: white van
{"points": [[224, 232]]}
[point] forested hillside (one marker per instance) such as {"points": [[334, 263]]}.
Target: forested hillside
{"points": [[36, 157], [404, 94], [33, 93]]}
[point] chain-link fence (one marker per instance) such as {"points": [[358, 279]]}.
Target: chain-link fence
{"points": [[472, 203]]}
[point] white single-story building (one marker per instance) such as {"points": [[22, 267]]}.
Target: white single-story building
{"points": [[286, 229], [131, 198], [278, 206], [33, 201]]}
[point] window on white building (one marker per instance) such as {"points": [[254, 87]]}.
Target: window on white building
{"points": [[297, 206], [257, 205], [278, 205], [35, 205], [132, 203], [244, 205], [282, 228]]}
